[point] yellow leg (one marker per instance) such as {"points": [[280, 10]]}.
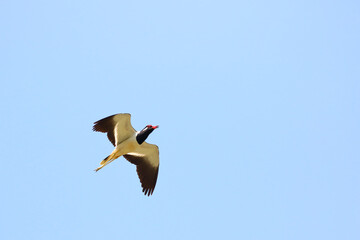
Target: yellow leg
{"points": [[108, 160]]}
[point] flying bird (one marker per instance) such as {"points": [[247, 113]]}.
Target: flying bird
{"points": [[131, 144]]}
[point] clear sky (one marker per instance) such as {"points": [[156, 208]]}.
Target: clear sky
{"points": [[258, 104]]}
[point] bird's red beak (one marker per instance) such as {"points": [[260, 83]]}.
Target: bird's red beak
{"points": [[155, 127]]}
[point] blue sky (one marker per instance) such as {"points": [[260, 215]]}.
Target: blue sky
{"points": [[257, 102]]}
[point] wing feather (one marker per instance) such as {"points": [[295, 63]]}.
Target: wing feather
{"points": [[147, 166], [118, 127]]}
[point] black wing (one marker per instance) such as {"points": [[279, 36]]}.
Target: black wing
{"points": [[117, 127], [147, 173]]}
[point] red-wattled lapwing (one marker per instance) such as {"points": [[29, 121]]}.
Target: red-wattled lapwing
{"points": [[131, 144]]}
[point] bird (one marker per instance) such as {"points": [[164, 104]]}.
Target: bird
{"points": [[131, 144]]}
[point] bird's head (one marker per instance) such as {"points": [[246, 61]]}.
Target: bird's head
{"points": [[143, 134], [151, 126]]}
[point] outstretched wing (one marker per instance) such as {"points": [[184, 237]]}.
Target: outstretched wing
{"points": [[118, 127], [146, 160]]}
